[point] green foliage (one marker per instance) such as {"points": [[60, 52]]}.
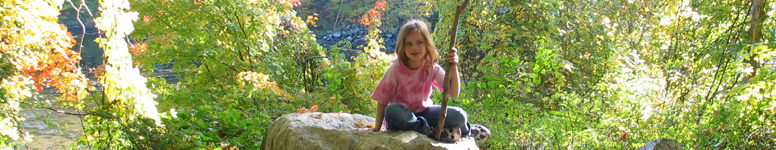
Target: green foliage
{"points": [[627, 73], [213, 126], [349, 10], [352, 83], [224, 38], [242, 63], [399, 12]]}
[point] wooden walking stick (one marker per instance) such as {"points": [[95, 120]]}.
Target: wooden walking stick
{"points": [[443, 115]]}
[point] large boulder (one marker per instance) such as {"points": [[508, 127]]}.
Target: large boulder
{"points": [[324, 131]]}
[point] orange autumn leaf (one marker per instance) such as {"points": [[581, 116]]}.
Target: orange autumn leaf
{"points": [[146, 19], [319, 116], [373, 14], [380, 5], [294, 2], [136, 49], [624, 136], [304, 110], [38, 87]]}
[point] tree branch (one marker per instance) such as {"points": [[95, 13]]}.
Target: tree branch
{"points": [[443, 115], [55, 110]]}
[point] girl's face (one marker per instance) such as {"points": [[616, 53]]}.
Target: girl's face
{"points": [[415, 48]]}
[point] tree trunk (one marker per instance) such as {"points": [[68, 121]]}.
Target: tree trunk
{"points": [[757, 14]]}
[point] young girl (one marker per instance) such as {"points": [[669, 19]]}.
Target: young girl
{"points": [[403, 94]]}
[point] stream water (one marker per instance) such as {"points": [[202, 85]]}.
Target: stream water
{"points": [[62, 131]]}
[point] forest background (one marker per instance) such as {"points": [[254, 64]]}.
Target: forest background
{"points": [[542, 74]]}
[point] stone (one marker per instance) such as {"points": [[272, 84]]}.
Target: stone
{"points": [[337, 34], [324, 131], [49, 90], [388, 35], [94, 82], [350, 38], [163, 67], [661, 144]]}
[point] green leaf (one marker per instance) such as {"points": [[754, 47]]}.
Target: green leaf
{"points": [[537, 80], [488, 58]]}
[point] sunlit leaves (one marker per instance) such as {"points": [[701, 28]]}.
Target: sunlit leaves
{"points": [[312, 20], [39, 48], [374, 14], [125, 99], [253, 81]]}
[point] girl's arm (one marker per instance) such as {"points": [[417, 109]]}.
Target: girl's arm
{"points": [[452, 59], [455, 86], [379, 115]]}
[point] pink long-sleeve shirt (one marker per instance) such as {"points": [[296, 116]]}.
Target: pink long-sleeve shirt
{"points": [[412, 88]]}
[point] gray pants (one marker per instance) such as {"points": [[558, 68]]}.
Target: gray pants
{"points": [[399, 117]]}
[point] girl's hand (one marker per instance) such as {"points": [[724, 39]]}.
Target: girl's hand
{"points": [[375, 129], [452, 56]]}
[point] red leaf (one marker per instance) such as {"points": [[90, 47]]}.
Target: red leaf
{"points": [[38, 87], [624, 136]]}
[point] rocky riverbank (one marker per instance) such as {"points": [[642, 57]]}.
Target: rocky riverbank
{"points": [[354, 33]]}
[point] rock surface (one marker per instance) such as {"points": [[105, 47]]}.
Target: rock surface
{"points": [[323, 131], [661, 144]]}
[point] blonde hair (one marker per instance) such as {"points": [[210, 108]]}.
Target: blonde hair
{"points": [[414, 25]]}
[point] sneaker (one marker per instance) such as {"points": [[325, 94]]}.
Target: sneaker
{"points": [[449, 134], [480, 132]]}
